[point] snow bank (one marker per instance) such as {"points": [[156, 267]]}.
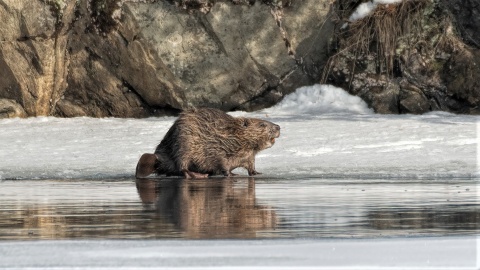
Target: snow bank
{"points": [[320, 99], [364, 9]]}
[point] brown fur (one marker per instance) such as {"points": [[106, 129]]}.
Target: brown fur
{"points": [[208, 141]]}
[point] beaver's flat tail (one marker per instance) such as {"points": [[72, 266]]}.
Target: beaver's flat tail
{"points": [[146, 165]]}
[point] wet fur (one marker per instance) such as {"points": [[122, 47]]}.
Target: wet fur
{"points": [[205, 141]]}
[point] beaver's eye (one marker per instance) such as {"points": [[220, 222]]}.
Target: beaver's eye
{"points": [[263, 125]]}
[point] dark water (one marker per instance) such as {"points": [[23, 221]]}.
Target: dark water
{"points": [[237, 208]]}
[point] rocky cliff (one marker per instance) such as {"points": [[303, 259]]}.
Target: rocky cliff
{"points": [[134, 58], [412, 57], [139, 58]]}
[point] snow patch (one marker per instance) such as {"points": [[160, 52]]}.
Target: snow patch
{"points": [[320, 99], [364, 9]]}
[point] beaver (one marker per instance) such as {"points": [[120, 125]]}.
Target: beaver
{"points": [[206, 141]]}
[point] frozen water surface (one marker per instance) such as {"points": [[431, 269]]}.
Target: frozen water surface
{"points": [[341, 188], [334, 146], [270, 223], [244, 208]]}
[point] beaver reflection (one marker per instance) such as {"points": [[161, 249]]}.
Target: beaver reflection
{"points": [[210, 208]]}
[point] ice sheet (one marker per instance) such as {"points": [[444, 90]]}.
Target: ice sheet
{"points": [[324, 132], [409, 253]]}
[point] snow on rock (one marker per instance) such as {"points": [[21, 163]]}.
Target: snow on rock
{"points": [[364, 9]]}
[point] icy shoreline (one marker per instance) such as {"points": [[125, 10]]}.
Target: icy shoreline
{"points": [[325, 133], [331, 146]]}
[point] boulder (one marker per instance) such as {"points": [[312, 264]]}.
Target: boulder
{"points": [[412, 99], [10, 108], [462, 79]]}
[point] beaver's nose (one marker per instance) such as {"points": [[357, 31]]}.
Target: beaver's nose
{"points": [[276, 127]]}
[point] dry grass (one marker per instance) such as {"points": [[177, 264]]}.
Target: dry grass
{"points": [[378, 33]]}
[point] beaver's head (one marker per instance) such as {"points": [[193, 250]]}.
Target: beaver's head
{"points": [[262, 131]]}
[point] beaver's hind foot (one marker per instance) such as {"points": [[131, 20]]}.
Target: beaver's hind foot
{"points": [[250, 173], [189, 174]]}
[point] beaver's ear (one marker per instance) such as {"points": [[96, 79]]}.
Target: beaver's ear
{"points": [[246, 122]]}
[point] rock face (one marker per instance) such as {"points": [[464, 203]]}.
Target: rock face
{"points": [[466, 15], [410, 57], [138, 58], [32, 55]]}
